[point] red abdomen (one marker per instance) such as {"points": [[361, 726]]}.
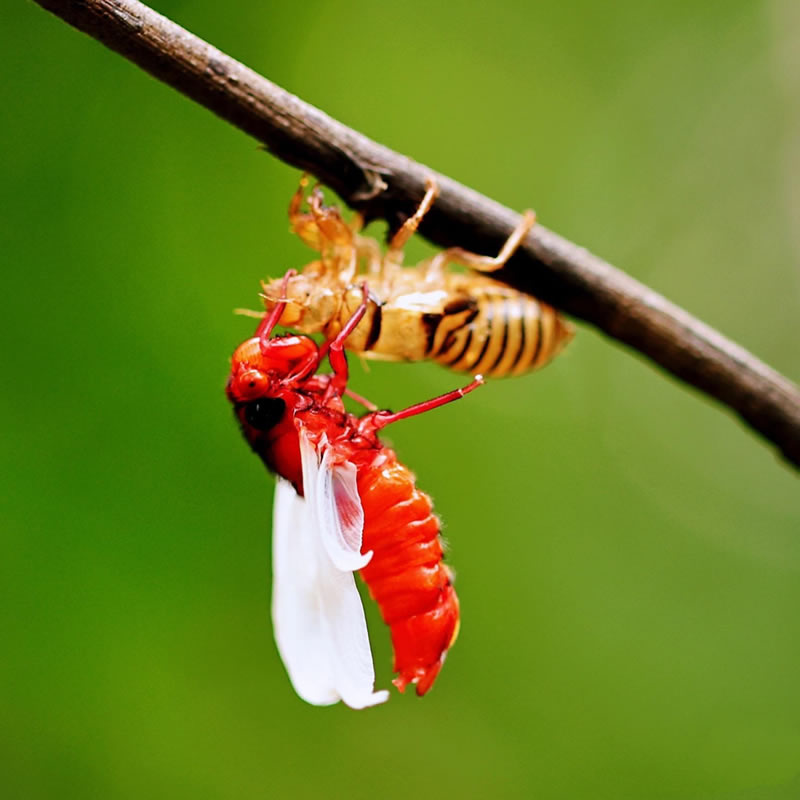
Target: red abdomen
{"points": [[406, 576]]}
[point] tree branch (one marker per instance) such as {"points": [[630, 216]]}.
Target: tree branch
{"points": [[382, 183]]}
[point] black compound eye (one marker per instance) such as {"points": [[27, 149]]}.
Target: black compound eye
{"points": [[264, 413]]}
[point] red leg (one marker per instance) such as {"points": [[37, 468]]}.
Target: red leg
{"points": [[368, 404], [269, 322], [383, 418], [335, 349], [265, 327], [304, 368]]}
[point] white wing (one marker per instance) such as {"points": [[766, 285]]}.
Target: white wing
{"points": [[316, 610]]}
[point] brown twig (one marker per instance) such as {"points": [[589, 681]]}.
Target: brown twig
{"points": [[382, 183]]}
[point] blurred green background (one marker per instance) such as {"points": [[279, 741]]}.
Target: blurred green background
{"points": [[627, 554]]}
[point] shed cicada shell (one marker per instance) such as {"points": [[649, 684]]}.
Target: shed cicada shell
{"points": [[463, 320]]}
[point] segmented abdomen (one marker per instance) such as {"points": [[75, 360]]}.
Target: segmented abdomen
{"points": [[406, 576], [500, 332], [483, 327]]}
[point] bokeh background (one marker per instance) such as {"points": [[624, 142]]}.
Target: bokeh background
{"points": [[628, 555]]}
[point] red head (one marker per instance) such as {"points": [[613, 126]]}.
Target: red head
{"points": [[260, 366], [266, 372]]}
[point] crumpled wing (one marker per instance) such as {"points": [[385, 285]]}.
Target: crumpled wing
{"points": [[317, 612]]}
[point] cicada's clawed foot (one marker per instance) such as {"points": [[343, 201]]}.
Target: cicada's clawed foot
{"points": [[409, 227], [321, 227], [457, 255]]}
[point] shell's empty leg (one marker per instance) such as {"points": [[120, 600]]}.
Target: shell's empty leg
{"points": [[410, 226], [329, 220], [370, 255], [457, 255], [296, 203], [321, 227], [356, 222]]}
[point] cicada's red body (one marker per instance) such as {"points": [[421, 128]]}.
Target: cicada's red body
{"points": [[344, 503], [406, 576]]}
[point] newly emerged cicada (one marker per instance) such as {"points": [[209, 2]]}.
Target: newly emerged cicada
{"points": [[344, 503], [464, 320]]}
